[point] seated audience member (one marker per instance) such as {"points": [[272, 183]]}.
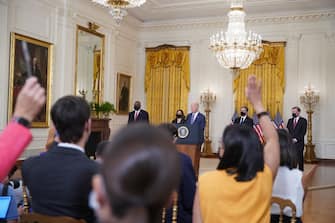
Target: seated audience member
{"points": [[12, 214], [290, 182], [187, 184], [101, 147], [139, 173], [16, 183], [180, 117], [60, 180], [240, 189], [16, 136]]}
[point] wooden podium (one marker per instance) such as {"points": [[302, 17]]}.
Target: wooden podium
{"points": [[193, 151], [189, 143]]}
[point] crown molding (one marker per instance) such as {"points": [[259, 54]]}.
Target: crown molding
{"points": [[221, 21]]}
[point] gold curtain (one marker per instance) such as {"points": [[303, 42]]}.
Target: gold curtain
{"points": [[167, 81], [270, 69]]}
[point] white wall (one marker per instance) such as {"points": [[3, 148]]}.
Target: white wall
{"points": [[309, 59], [55, 21]]}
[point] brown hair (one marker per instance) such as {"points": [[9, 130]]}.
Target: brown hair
{"points": [[140, 170]]}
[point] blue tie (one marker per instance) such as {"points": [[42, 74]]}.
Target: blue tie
{"points": [[193, 118]]}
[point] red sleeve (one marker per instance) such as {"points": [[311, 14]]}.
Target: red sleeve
{"points": [[13, 140]]}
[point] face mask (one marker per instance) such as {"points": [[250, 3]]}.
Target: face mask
{"points": [[243, 113], [294, 115], [179, 115], [137, 107]]}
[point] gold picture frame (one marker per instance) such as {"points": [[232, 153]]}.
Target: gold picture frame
{"points": [[94, 92], [40, 55], [123, 92]]}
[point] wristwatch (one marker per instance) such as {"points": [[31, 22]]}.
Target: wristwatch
{"points": [[22, 121]]}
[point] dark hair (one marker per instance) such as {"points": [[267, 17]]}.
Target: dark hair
{"points": [[182, 112], [169, 128], [101, 147], [140, 170], [243, 152], [288, 154], [296, 107], [69, 115], [246, 108]]}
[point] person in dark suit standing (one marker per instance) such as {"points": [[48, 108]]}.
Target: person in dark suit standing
{"points": [[244, 119], [59, 180], [196, 118], [297, 127], [138, 115]]}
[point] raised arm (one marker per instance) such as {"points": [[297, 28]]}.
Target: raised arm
{"points": [[271, 148], [15, 137]]}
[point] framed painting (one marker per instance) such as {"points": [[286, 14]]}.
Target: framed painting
{"points": [[30, 57], [123, 94]]}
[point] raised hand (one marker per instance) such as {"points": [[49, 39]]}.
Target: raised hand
{"points": [[253, 92], [30, 100]]}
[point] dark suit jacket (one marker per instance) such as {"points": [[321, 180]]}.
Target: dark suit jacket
{"points": [[299, 131], [59, 182], [248, 121], [143, 116], [186, 192], [182, 121], [200, 120]]}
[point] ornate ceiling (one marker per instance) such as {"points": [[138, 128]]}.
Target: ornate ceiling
{"points": [[158, 10]]}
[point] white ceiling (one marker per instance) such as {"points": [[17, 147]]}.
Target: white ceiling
{"points": [[158, 10]]}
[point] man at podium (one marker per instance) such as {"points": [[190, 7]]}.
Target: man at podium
{"points": [[196, 118], [191, 136]]}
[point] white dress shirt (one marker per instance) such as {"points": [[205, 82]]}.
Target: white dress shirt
{"points": [[194, 115], [71, 146]]}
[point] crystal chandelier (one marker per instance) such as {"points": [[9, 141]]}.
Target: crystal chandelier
{"points": [[235, 48], [118, 7]]}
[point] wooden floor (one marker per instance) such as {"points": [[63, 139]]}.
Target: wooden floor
{"points": [[319, 205]]}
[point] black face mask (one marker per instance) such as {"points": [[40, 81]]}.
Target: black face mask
{"points": [[294, 115], [137, 107], [243, 114], [179, 115]]}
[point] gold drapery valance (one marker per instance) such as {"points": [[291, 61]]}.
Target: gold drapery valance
{"points": [[270, 68], [167, 81]]}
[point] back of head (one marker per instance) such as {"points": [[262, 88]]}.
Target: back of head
{"points": [[288, 154], [243, 152], [69, 115], [170, 129], [140, 170], [101, 147]]}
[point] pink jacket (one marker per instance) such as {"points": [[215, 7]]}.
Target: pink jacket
{"points": [[13, 140]]}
